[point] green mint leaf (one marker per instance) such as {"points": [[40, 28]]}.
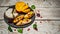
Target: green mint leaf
{"points": [[20, 30], [34, 26], [33, 7], [9, 28]]}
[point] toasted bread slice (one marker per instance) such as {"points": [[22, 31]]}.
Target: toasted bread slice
{"points": [[26, 21]]}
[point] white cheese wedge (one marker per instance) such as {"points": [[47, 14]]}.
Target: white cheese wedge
{"points": [[15, 13], [8, 13]]}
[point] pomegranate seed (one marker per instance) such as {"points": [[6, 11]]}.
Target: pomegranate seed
{"points": [[14, 29], [36, 29], [41, 17], [28, 29], [38, 15], [40, 21]]}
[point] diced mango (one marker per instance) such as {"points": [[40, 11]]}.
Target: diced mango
{"points": [[26, 11]]}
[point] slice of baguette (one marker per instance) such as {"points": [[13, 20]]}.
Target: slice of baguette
{"points": [[26, 21], [19, 23]]}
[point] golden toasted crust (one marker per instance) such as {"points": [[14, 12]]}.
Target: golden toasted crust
{"points": [[25, 21], [18, 18], [22, 22], [19, 23], [29, 15]]}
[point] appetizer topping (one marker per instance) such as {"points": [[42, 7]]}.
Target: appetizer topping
{"points": [[26, 16], [29, 15], [19, 23], [19, 6], [22, 22], [22, 7], [26, 11], [25, 21], [15, 20], [25, 7], [31, 12], [18, 18]]}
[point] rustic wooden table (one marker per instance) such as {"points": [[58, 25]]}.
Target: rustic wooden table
{"points": [[47, 23]]}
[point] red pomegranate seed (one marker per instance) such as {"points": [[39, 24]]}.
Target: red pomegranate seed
{"points": [[28, 29], [40, 21], [41, 17], [38, 15], [36, 29], [14, 29]]}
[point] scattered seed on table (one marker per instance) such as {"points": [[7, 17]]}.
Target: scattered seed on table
{"points": [[40, 21], [14, 29], [38, 14], [41, 17], [28, 29]]}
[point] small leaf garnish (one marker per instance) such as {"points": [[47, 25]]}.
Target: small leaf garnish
{"points": [[9, 28], [33, 7], [20, 30], [35, 27]]}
